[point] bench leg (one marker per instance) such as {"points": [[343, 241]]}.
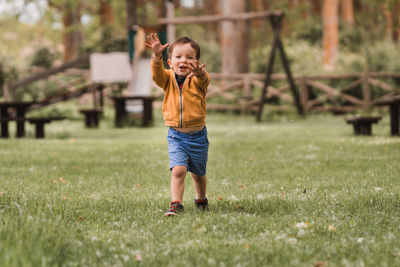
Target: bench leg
{"points": [[365, 129], [39, 130], [20, 129], [4, 130], [120, 113], [362, 128], [95, 120], [20, 124], [394, 119], [356, 128], [4, 124], [147, 115], [92, 121]]}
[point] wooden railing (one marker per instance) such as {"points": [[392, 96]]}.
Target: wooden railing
{"points": [[77, 78], [49, 72], [241, 92]]}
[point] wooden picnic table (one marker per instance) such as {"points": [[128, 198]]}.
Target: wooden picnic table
{"points": [[362, 125], [394, 108], [121, 113], [6, 116]]}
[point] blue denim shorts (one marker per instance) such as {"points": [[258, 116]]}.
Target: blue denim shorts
{"points": [[189, 150]]}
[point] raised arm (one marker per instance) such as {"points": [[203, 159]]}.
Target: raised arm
{"points": [[158, 73]]}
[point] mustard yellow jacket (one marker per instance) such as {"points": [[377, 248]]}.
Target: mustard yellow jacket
{"points": [[185, 108]]}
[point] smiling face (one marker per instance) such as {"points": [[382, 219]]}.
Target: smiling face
{"points": [[181, 55]]}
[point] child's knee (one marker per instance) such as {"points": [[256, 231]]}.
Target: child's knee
{"points": [[179, 171]]}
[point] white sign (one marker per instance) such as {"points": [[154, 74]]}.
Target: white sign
{"points": [[110, 67]]}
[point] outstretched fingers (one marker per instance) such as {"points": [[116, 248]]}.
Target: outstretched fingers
{"points": [[195, 69], [151, 39], [165, 46], [153, 42]]}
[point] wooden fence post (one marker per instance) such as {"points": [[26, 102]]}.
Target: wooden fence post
{"points": [[366, 92], [276, 23], [268, 71], [246, 93], [304, 92]]}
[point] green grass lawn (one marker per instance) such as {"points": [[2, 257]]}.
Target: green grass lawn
{"points": [[284, 192]]}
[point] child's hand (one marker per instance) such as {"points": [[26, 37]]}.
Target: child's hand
{"points": [[154, 43], [195, 69]]}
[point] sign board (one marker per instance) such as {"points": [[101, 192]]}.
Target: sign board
{"points": [[110, 67]]}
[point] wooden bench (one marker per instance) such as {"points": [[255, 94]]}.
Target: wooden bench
{"points": [[38, 122], [121, 113], [363, 124], [91, 117]]}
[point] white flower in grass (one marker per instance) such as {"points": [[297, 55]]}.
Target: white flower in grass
{"points": [[301, 232], [378, 188], [260, 196], [125, 258], [303, 225], [233, 197], [280, 236], [311, 157], [291, 240], [360, 239], [211, 261]]}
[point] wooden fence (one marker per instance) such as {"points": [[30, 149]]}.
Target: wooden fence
{"points": [[241, 92]]}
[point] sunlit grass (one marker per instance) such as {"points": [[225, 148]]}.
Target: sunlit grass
{"points": [[287, 191]]}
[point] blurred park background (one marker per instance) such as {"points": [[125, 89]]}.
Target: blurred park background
{"points": [[288, 191], [320, 37]]}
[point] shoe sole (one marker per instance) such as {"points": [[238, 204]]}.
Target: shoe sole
{"points": [[170, 214]]}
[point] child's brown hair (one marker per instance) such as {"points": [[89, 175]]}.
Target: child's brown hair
{"points": [[185, 40]]}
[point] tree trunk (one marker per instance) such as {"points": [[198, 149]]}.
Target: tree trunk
{"points": [[389, 21], [257, 6], [330, 33], [304, 8], [72, 35], [131, 14], [347, 10], [396, 22], [392, 25], [316, 7], [170, 14], [211, 7], [234, 38]]}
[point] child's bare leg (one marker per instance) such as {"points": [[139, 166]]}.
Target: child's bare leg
{"points": [[178, 183], [200, 185]]}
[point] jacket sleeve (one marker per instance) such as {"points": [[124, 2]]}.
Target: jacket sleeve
{"points": [[202, 82], [160, 75]]}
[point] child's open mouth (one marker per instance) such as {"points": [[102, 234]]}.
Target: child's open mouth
{"points": [[183, 68]]}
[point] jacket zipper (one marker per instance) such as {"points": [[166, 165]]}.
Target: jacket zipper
{"points": [[180, 96], [180, 102]]}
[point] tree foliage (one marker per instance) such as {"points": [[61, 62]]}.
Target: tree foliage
{"points": [[302, 22]]}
